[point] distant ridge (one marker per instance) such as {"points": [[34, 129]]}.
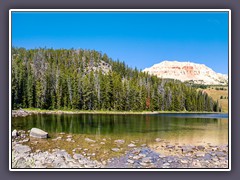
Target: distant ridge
{"points": [[187, 71]]}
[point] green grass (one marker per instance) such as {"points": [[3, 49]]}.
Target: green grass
{"points": [[216, 95], [72, 111]]}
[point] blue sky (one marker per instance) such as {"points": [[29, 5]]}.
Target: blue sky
{"points": [[141, 39]]}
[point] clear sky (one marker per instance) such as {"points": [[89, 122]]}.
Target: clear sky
{"points": [[141, 39]]}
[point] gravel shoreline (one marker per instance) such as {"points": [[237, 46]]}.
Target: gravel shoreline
{"points": [[137, 156], [24, 113]]}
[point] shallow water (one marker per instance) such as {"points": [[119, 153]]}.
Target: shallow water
{"points": [[176, 128]]}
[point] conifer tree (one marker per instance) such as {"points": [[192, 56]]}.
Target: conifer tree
{"points": [[87, 80]]}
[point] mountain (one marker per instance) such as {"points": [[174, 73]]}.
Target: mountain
{"points": [[187, 71]]}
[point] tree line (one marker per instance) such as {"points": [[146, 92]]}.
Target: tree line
{"points": [[89, 80]]}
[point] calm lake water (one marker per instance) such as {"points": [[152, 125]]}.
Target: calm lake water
{"points": [[178, 128]]}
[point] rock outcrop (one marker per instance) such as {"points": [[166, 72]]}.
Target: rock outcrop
{"points": [[187, 71]]}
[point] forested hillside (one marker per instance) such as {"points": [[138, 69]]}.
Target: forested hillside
{"points": [[89, 80]]}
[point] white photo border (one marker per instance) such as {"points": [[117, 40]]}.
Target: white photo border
{"points": [[121, 10]]}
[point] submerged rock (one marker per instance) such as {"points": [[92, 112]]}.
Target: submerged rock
{"points": [[200, 147], [115, 149], [158, 140], [119, 141], [188, 149], [131, 145], [89, 140], [69, 139], [170, 146], [38, 133]]}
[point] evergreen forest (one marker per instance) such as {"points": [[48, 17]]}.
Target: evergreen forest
{"points": [[78, 79]]}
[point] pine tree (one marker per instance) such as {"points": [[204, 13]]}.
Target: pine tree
{"points": [[87, 80]]}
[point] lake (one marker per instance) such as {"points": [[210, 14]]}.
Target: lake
{"points": [[178, 128]]}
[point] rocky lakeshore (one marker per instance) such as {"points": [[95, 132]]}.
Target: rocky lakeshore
{"points": [[23, 157], [121, 154], [24, 113], [147, 158], [20, 113]]}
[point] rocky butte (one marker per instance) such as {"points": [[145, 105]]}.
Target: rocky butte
{"points": [[187, 71]]}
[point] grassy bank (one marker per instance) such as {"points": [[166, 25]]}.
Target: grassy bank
{"points": [[34, 110], [220, 94]]}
